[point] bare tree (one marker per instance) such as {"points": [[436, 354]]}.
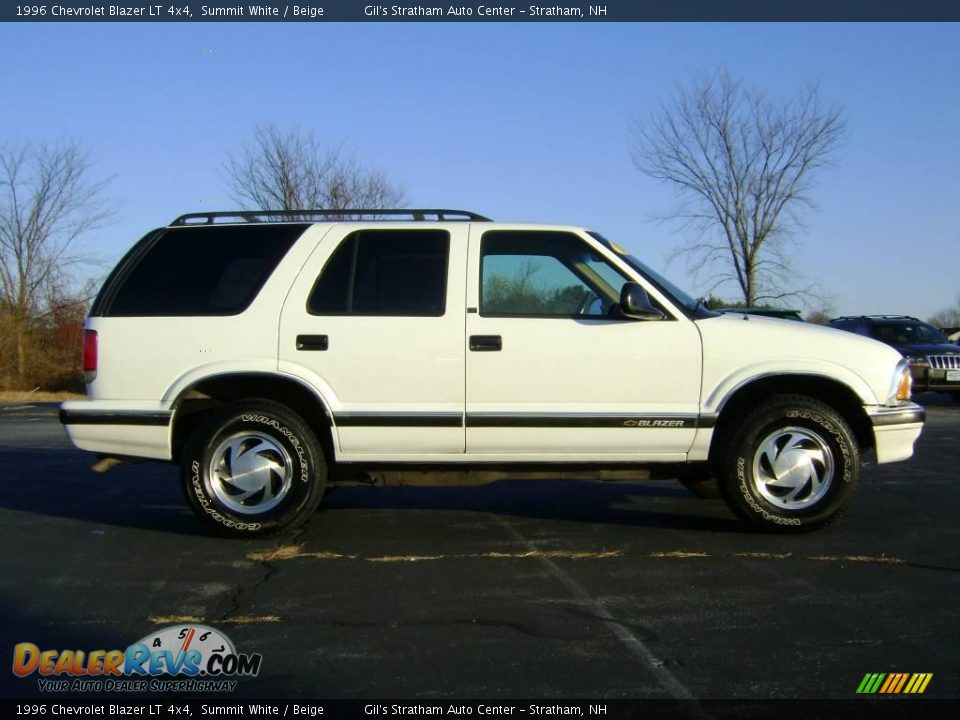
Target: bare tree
{"points": [[821, 315], [292, 171], [948, 317], [743, 165], [48, 199]]}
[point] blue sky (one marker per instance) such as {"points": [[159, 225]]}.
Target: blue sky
{"points": [[525, 122]]}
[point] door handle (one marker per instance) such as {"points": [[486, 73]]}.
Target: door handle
{"points": [[312, 342], [486, 343]]}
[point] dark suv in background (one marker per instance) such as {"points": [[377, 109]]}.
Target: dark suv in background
{"points": [[934, 360]]}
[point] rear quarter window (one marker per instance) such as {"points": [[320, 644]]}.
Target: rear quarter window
{"points": [[196, 271], [386, 273]]}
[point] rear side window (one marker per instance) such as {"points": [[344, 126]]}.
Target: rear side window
{"points": [[851, 326], [909, 333], [384, 272], [200, 271]]}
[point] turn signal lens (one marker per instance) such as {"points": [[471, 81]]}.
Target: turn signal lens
{"points": [[904, 385]]}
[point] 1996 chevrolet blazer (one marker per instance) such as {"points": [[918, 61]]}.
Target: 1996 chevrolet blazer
{"points": [[261, 351]]}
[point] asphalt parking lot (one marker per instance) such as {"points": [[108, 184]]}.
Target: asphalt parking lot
{"points": [[547, 589]]}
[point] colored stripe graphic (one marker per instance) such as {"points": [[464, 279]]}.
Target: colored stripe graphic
{"points": [[899, 687], [918, 683], [894, 683], [870, 683]]}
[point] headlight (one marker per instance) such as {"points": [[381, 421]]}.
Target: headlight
{"points": [[901, 383], [918, 360]]}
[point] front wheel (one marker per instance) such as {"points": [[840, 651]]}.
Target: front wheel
{"points": [[253, 469], [791, 466]]}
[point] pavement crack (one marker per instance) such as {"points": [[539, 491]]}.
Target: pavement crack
{"points": [[291, 552], [404, 558], [561, 554], [924, 566], [859, 558], [295, 551], [174, 619], [234, 620], [228, 610]]}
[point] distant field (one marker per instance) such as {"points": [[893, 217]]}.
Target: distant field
{"points": [[27, 396]]}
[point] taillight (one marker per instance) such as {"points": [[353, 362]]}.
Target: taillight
{"points": [[89, 355]]}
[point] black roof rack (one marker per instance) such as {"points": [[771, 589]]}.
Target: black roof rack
{"points": [[260, 216]]}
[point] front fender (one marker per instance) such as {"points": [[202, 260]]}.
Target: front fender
{"points": [[721, 389]]}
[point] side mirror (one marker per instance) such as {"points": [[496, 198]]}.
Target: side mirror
{"points": [[635, 303]]}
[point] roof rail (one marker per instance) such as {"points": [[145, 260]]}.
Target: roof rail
{"points": [[260, 216]]}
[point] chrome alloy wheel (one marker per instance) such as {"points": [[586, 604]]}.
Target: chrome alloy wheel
{"points": [[250, 472], [793, 468]]}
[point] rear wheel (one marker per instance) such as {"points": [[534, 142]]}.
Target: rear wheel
{"points": [[253, 469], [791, 466]]}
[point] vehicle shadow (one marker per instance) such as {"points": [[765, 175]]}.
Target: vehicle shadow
{"points": [[57, 482], [641, 503]]}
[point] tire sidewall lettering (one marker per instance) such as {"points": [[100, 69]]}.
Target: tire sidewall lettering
{"points": [[748, 495], [289, 435], [204, 501], [839, 441]]}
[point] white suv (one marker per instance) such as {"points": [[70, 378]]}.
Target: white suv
{"points": [[262, 350]]}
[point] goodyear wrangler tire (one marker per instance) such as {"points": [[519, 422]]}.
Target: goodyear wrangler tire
{"points": [[254, 468], [792, 465]]}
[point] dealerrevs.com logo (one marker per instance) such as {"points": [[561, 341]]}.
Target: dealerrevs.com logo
{"points": [[187, 658]]}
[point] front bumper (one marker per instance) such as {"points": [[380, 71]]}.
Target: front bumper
{"points": [[895, 430]]}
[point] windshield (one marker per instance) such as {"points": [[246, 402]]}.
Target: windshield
{"points": [[909, 333], [665, 286]]}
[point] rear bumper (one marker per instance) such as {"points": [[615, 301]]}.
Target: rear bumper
{"points": [[895, 430], [111, 428]]}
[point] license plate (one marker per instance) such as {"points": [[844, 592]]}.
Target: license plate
{"points": [[953, 375]]}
